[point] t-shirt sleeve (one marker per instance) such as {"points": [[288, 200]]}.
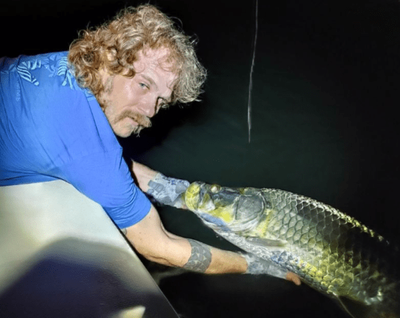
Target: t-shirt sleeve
{"points": [[106, 179]]}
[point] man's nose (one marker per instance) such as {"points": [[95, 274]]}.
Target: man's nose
{"points": [[149, 108]]}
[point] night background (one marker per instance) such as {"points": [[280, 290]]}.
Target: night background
{"points": [[325, 120]]}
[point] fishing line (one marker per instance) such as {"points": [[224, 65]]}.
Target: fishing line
{"points": [[251, 73]]}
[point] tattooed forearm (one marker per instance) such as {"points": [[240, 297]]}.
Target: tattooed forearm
{"points": [[200, 257]]}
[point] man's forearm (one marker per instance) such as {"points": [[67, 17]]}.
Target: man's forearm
{"points": [[143, 175], [164, 190], [150, 239], [224, 262], [216, 261], [210, 260]]}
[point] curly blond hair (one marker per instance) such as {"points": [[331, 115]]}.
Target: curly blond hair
{"points": [[115, 46]]}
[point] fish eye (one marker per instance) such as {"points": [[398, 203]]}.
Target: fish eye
{"points": [[215, 188]]}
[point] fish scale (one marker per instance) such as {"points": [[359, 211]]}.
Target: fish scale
{"points": [[333, 266], [331, 251]]}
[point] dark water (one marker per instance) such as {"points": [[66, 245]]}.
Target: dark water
{"points": [[324, 122], [324, 125]]}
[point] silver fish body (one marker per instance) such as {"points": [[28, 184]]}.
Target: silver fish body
{"points": [[331, 251]]}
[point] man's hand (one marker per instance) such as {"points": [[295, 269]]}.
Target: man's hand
{"points": [[294, 278], [258, 266]]}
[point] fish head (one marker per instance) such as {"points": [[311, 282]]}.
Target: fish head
{"points": [[227, 209]]}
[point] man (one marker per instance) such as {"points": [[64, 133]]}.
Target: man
{"points": [[60, 112]]}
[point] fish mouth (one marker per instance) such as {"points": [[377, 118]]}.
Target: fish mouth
{"points": [[240, 210]]}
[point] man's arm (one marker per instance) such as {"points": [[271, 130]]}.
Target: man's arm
{"points": [[153, 241], [150, 239], [143, 175], [164, 190]]}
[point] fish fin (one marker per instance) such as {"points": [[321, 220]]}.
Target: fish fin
{"points": [[354, 308], [265, 242]]}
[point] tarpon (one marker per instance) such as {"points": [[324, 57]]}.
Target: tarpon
{"points": [[330, 251]]}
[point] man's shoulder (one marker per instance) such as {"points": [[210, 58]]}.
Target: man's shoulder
{"points": [[54, 63], [42, 70], [47, 68]]}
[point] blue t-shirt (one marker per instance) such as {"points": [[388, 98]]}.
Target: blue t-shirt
{"points": [[50, 128]]}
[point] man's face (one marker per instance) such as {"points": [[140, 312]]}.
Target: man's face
{"points": [[129, 103]]}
